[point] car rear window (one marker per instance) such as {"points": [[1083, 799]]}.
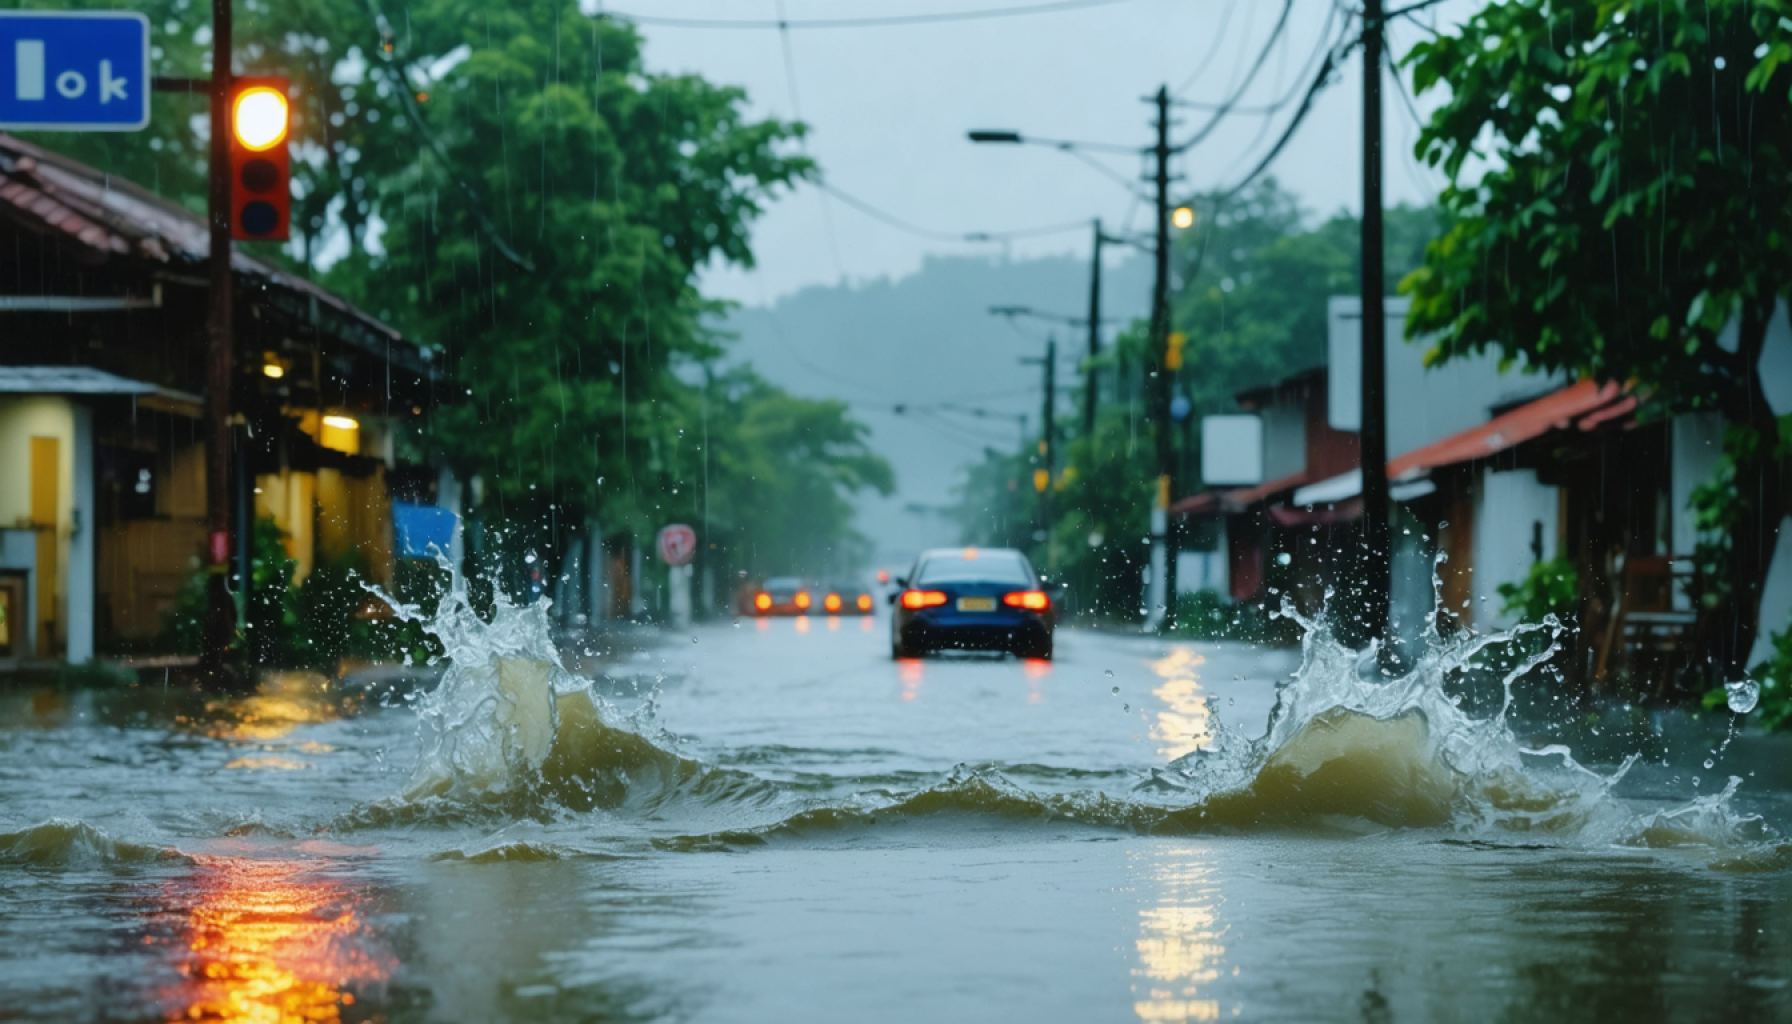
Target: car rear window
{"points": [[783, 583], [986, 567]]}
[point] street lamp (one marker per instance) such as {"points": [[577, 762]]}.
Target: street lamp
{"points": [[1182, 218]]}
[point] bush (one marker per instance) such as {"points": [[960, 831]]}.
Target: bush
{"points": [[1205, 615], [1774, 712], [1549, 588]]}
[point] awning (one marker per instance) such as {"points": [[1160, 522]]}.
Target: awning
{"points": [[1586, 405], [1345, 486], [79, 380], [1216, 501]]}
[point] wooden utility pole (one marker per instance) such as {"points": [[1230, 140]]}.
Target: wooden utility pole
{"points": [[220, 621], [1162, 527], [1377, 558]]}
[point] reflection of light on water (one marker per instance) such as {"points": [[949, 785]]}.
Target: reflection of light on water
{"points": [[1180, 945], [802, 623], [267, 943], [1036, 669], [271, 762], [1185, 723], [833, 624], [762, 624], [283, 702], [909, 671], [865, 624]]}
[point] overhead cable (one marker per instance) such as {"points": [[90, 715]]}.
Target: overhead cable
{"points": [[871, 21]]}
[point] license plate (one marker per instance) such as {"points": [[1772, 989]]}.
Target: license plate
{"points": [[976, 604]]}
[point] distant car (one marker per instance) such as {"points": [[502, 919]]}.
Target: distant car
{"points": [[844, 597], [783, 595], [986, 599]]}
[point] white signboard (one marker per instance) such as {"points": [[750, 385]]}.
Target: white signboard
{"points": [[1231, 449]]}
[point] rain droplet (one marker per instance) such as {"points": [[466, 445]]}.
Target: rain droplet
{"points": [[1109, 673], [1115, 691], [1284, 558], [1126, 707], [693, 639], [1742, 695], [1708, 763]]}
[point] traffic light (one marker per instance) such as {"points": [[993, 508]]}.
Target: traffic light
{"points": [[260, 167], [1173, 350]]}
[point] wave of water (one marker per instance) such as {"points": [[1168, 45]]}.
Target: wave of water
{"points": [[510, 733]]}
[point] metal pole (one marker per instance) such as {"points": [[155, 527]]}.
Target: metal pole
{"points": [[1090, 381], [1165, 533], [1376, 535], [220, 611], [1049, 442]]}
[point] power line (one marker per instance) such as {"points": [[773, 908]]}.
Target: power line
{"points": [[1225, 108], [1318, 85], [877, 213], [874, 21], [796, 109], [1206, 61]]}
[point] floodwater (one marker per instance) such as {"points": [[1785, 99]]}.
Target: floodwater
{"points": [[771, 821]]}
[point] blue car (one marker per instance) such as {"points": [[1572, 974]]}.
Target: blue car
{"points": [[972, 599]]}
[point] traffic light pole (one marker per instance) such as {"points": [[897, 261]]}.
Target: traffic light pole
{"points": [[220, 610], [1374, 438], [1163, 531]]}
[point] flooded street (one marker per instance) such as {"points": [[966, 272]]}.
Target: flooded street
{"points": [[772, 821]]}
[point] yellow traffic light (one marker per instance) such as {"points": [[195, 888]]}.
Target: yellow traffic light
{"points": [[1173, 350], [1042, 478], [259, 118]]}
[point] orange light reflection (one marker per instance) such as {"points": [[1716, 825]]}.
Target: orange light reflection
{"points": [[909, 671], [269, 943]]}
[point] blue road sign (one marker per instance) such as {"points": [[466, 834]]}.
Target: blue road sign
{"points": [[74, 71]]}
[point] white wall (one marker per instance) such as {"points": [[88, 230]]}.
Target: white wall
{"points": [[1284, 439], [1510, 507], [1425, 404]]}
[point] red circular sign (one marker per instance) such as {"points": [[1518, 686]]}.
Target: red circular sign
{"points": [[677, 544]]}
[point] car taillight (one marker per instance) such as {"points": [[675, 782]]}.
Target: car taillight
{"points": [[914, 600], [802, 599], [1031, 600], [831, 602], [864, 602], [763, 602]]}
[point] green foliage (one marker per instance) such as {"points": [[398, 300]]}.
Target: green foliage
{"points": [[613, 187], [1631, 201], [1549, 588], [328, 618], [1205, 615], [1774, 711], [767, 474], [1256, 278]]}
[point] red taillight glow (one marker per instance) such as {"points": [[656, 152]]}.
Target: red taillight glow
{"points": [[1031, 600], [802, 599], [914, 600], [831, 602], [864, 602], [763, 602]]}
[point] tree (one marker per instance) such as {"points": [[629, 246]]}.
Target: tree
{"points": [[548, 236], [1255, 279], [776, 479], [1617, 175]]}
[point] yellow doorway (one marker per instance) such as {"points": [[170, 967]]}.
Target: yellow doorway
{"points": [[46, 475]]}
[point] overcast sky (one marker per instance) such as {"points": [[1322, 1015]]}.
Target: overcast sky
{"points": [[889, 106]]}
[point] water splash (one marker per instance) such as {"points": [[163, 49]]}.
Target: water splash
{"points": [[511, 731]]}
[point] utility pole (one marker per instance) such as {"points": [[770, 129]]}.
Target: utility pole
{"points": [[1374, 436], [1090, 381], [1163, 550], [220, 610]]}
